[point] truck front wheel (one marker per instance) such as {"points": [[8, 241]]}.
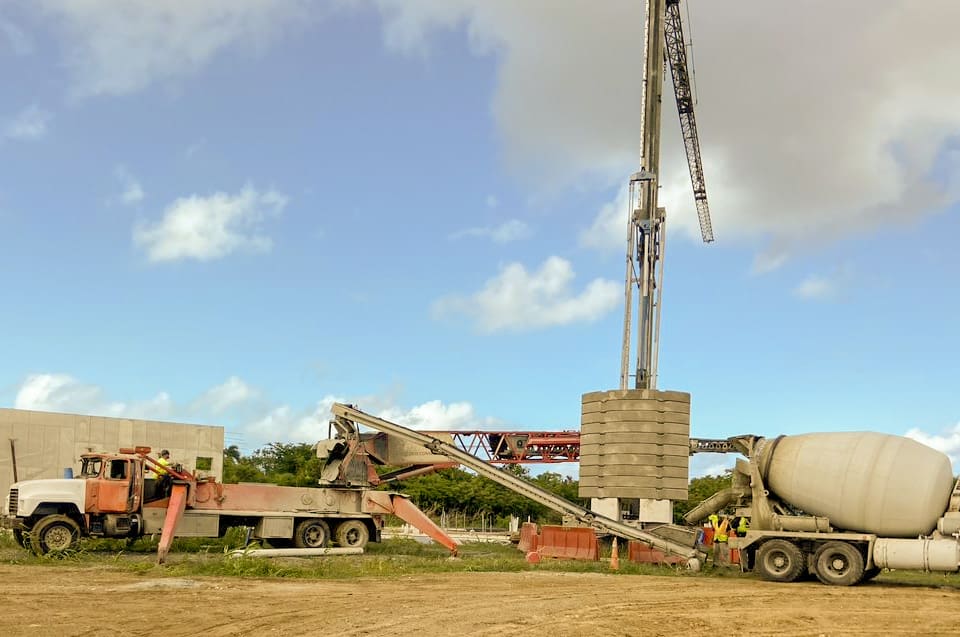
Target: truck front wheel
{"points": [[311, 534], [22, 538], [838, 563], [353, 534], [54, 533]]}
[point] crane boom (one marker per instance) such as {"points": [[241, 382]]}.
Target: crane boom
{"points": [[676, 54]]}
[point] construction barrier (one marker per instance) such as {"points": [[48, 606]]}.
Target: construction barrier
{"points": [[641, 553], [528, 537], [570, 543]]}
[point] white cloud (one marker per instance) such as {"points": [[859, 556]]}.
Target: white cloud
{"points": [[212, 227], [608, 232], [947, 441], [437, 416], [132, 190], [822, 287], [28, 124], [19, 41], [118, 48], [511, 230], [232, 392], [64, 393], [519, 300], [792, 154], [241, 408]]}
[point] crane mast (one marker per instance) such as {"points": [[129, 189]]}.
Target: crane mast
{"points": [[646, 231]]}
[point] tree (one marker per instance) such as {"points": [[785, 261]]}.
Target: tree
{"points": [[701, 489]]}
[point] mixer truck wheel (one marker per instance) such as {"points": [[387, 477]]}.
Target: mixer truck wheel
{"points": [[311, 534], [780, 561], [839, 564], [23, 539], [353, 534], [54, 533]]}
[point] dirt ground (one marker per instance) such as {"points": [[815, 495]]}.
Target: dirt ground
{"points": [[39, 600]]}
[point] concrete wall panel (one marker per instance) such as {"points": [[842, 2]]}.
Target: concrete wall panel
{"points": [[47, 443]]}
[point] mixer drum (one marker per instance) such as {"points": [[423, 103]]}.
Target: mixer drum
{"points": [[863, 481]]}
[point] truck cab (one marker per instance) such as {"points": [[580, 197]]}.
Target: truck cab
{"points": [[104, 499]]}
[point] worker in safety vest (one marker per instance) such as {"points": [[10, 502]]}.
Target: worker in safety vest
{"points": [[742, 526], [163, 461], [721, 554]]}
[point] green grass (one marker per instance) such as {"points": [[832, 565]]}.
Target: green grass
{"points": [[391, 558]]}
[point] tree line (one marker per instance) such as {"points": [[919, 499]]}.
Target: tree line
{"points": [[450, 491]]}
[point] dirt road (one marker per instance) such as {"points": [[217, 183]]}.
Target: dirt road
{"points": [[38, 600]]}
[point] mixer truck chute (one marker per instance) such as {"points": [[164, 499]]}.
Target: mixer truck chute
{"points": [[842, 506]]}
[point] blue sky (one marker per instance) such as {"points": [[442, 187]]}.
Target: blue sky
{"points": [[236, 213]]}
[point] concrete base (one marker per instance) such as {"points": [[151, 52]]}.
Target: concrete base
{"points": [[607, 507], [660, 511]]}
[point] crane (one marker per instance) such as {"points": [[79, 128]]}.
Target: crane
{"points": [[646, 238]]}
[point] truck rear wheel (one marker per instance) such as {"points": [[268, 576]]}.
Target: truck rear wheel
{"points": [[311, 534], [353, 534], [780, 561], [838, 563], [54, 533]]}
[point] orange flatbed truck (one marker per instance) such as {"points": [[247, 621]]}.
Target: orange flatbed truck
{"points": [[112, 497]]}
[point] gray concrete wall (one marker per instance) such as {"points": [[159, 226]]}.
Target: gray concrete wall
{"points": [[47, 443]]}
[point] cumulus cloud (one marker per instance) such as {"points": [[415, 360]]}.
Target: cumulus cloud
{"points": [[511, 230], [608, 232], [947, 440], [520, 300], [118, 48], [436, 416], [823, 287], [28, 124], [212, 227], [241, 408], [64, 393], [16, 38], [132, 190], [232, 392], [792, 152]]}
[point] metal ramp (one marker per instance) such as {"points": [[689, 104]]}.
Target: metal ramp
{"points": [[347, 418]]}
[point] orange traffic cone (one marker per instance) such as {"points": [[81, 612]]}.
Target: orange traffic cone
{"points": [[614, 557]]}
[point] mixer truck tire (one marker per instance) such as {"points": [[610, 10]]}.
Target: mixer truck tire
{"points": [[311, 534], [54, 533], [838, 564], [353, 534], [23, 539], [780, 561]]}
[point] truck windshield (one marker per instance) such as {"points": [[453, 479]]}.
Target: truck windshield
{"points": [[91, 467]]}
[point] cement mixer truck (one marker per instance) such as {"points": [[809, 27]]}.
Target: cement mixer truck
{"points": [[841, 506]]}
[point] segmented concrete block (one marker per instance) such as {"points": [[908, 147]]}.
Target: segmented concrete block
{"points": [[635, 444]]}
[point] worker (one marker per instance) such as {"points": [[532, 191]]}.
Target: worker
{"points": [[160, 474], [162, 462], [743, 526], [721, 554]]}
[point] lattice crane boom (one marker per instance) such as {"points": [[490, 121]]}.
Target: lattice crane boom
{"points": [[676, 53]]}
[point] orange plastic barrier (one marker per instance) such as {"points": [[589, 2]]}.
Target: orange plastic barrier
{"points": [[641, 553], [708, 532], [528, 537], [570, 543]]}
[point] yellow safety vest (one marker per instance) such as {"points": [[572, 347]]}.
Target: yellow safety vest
{"points": [[160, 471]]}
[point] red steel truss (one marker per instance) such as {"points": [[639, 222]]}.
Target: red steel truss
{"points": [[519, 447]]}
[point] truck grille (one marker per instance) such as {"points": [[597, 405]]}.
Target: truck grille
{"points": [[14, 502]]}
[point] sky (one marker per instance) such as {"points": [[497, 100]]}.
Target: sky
{"points": [[237, 213]]}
